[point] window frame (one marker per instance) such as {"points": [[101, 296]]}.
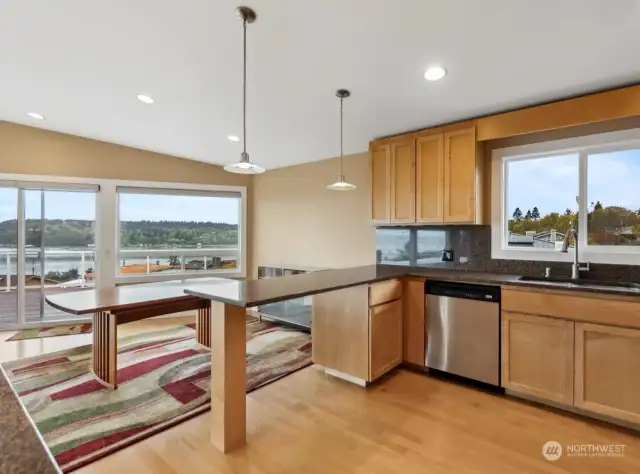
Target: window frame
{"points": [[107, 235], [176, 188], [581, 146]]}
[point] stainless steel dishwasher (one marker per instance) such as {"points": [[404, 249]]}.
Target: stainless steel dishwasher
{"points": [[463, 330]]}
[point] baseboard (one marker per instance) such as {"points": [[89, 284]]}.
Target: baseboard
{"points": [[346, 377]]}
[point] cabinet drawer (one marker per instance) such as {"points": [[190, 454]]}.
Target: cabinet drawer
{"points": [[384, 292], [574, 306]]}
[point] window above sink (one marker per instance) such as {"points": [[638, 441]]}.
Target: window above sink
{"points": [[539, 190]]}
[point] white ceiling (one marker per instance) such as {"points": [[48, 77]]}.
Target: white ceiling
{"points": [[81, 63]]}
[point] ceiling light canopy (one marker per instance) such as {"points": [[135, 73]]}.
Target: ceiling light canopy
{"points": [[244, 166], [435, 73], [145, 98], [341, 184], [36, 115]]}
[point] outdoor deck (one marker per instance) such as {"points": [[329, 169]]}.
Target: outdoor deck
{"points": [[8, 306]]}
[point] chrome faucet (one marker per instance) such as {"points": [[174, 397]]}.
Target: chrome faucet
{"points": [[575, 268]]}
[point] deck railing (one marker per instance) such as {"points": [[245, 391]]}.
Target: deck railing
{"points": [[130, 262]]}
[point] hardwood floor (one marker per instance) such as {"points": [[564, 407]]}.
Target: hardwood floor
{"points": [[406, 423]]}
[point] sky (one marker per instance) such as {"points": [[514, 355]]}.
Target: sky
{"points": [[133, 207], [551, 183]]}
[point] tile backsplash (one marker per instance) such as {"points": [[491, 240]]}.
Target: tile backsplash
{"points": [[471, 246]]}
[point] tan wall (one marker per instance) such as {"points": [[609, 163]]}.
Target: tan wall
{"points": [[298, 221], [27, 150]]}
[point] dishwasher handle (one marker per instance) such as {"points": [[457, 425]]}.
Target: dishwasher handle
{"points": [[468, 291]]}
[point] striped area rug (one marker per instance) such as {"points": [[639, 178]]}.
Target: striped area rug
{"points": [[67, 330], [163, 379]]}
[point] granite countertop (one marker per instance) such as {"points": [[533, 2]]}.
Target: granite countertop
{"points": [[293, 266], [21, 449], [256, 292]]}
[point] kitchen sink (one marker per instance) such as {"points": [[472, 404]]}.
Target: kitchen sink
{"points": [[584, 282]]}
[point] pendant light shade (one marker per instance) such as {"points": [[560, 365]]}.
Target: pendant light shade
{"points": [[244, 166], [342, 184]]}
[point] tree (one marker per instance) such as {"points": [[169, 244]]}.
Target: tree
{"points": [[72, 274], [527, 217], [597, 206], [535, 214], [517, 214], [174, 260], [568, 212]]}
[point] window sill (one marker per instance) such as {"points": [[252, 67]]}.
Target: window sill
{"points": [[608, 258]]}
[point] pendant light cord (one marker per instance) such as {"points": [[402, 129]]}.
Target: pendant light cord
{"points": [[341, 133], [244, 87]]}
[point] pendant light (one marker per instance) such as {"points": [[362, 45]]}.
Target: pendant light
{"points": [[341, 184], [244, 166]]}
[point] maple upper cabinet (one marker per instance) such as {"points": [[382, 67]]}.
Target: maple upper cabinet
{"points": [[430, 178], [403, 181], [381, 183], [460, 169]]}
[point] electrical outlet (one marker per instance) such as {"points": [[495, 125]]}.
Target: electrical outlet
{"points": [[447, 255], [464, 259]]}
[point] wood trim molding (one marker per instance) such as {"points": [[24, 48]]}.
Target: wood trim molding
{"points": [[592, 108], [600, 107]]}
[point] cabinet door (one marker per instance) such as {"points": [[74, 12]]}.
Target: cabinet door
{"points": [[430, 178], [340, 331], [403, 181], [385, 338], [608, 371], [460, 176], [381, 184], [537, 356], [413, 322]]}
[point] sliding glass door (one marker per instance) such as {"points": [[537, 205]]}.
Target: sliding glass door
{"points": [[47, 245], [8, 257]]}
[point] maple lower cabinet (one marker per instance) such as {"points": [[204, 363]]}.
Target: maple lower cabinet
{"points": [[607, 371], [357, 332], [385, 338], [381, 183], [403, 182], [413, 322], [537, 356], [460, 188], [430, 178]]}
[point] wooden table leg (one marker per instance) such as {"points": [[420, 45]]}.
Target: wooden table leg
{"points": [[228, 376], [105, 348], [203, 326]]}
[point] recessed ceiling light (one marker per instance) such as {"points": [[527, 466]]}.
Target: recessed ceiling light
{"points": [[36, 115], [435, 73], [233, 138], [145, 98]]}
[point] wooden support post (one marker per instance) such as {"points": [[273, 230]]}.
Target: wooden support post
{"points": [[203, 326], [228, 376], [105, 348]]}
